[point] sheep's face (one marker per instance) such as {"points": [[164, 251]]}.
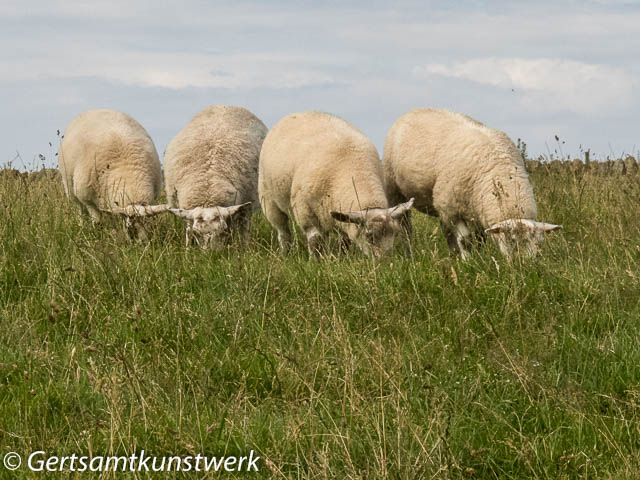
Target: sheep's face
{"points": [[520, 236], [376, 236], [377, 227], [211, 227]]}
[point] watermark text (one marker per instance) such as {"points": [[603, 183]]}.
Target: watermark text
{"points": [[40, 461]]}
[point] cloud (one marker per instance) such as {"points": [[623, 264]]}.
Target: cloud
{"points": [[572, 64], [547, 84], [177, 70]]}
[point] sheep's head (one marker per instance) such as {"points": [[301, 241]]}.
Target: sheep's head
{"points": [[377, 227], [520, 235], [211, 227]]}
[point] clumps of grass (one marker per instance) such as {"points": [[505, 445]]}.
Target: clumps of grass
{"points": [[422, 367]]}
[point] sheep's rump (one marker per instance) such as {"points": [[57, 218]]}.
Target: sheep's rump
{"points": [[213, 161], [456, 167], [107, 159], [319, 161]]}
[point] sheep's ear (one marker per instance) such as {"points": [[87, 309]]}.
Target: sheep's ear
{"points": [[399, 210], [349, 217], [530, 224], [236, 209], [180, 212], [114, 210], [496, 228], [547, 227], [136, 210], [146, 210]]}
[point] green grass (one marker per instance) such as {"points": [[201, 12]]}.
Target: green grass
{"points": [[342, 368]]}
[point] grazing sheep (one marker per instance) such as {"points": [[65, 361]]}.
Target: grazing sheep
{"points": [[322, 169], [211, 173], [469, 175], [108, 163]]}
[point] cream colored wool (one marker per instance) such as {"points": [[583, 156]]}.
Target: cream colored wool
{"points": [[213, 162], [321, 168], [471, 176], [107, 160]]}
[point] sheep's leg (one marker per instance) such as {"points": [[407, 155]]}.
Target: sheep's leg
{"points": [[284, 238], [463, 239], [450, 235], [308, 221], [189, 237], [315, 241], [94, 213], [130, 225], [458, 238], [280, 221]]}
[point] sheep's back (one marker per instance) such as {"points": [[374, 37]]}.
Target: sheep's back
{"points": [[108, 158], [318, 155], [431, 152], [425, 144], [214, 159]]}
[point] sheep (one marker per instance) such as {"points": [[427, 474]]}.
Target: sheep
{"points": [[211, 173], [470, 176], [322, 169], [109, 164]]}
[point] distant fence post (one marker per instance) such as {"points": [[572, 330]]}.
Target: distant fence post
{"points": [[586, 157]]}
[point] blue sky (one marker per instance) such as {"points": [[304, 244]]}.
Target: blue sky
{"points": [[532, 69]]}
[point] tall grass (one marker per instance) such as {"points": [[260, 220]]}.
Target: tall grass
{"points": [[426, 367]]}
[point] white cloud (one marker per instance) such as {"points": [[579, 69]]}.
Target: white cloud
{"points": [[67, 8], [175, 70], [546, 83], [58, 57]]}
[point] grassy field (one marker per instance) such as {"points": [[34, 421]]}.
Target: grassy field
{"points": [[343, 368]]}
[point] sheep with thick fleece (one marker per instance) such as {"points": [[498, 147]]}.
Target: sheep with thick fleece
{"points": [[108, 163], [211, 173], [472, 177], [320, 168]]}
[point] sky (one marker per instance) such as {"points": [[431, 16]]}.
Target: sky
{"points": [[535, 70]]}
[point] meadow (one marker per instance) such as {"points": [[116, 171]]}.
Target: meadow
{"points": [[345, 368]]}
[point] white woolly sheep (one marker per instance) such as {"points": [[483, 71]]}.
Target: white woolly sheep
{"points": [[320, 168], [211, 173], [471, 176], [108, 163]]}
